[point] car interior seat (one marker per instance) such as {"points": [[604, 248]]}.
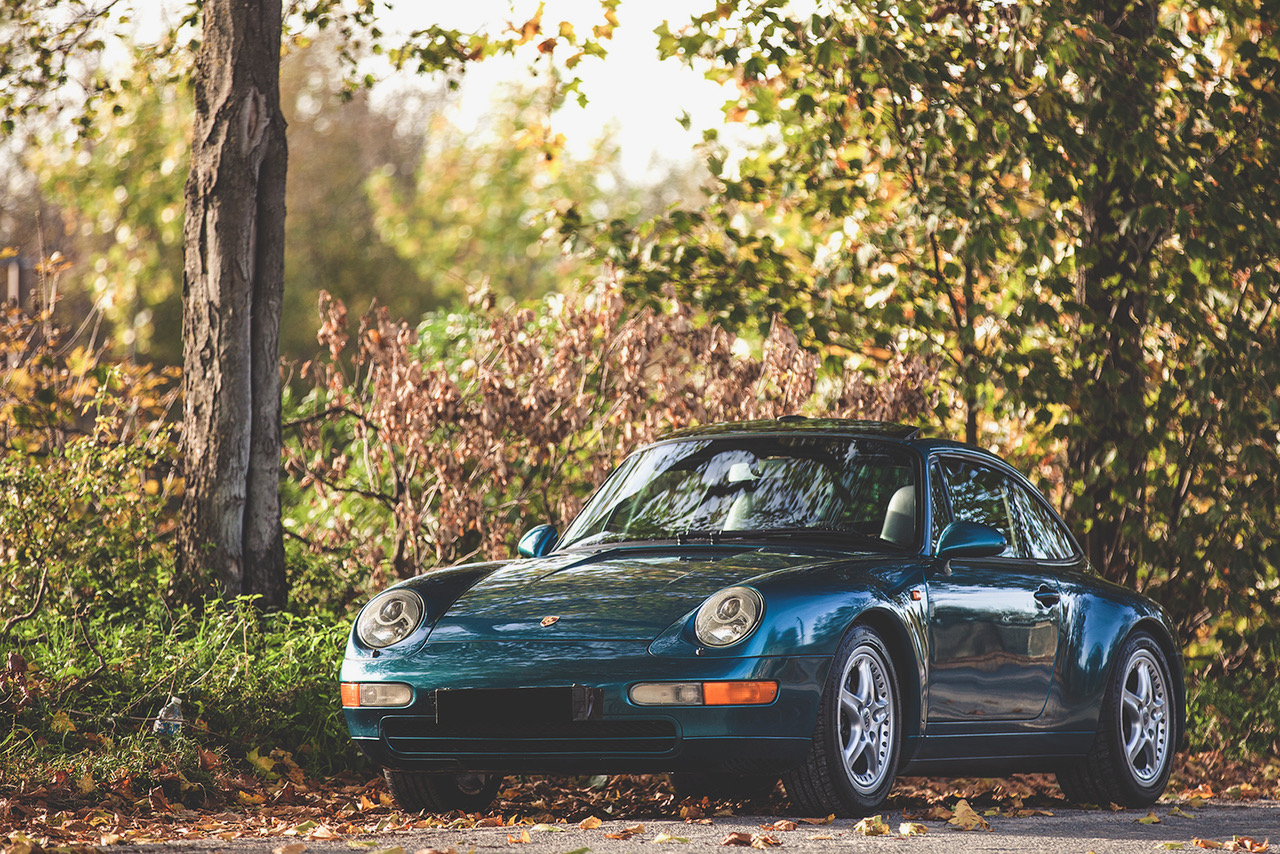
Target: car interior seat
{"points": [[900, 519]]}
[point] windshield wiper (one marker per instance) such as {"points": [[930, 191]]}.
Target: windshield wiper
{"points": [[826, 532], [710, 536]]}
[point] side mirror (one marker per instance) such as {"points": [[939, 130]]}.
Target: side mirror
{"points": [[538, 542], [969, 539]]}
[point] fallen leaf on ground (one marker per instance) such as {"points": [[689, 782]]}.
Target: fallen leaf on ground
{"points": [[590, 823], [626, 832], [291, 848], [826, 820], [911, 828], [522, 839], [781, 824], [966, 819], [547, 828], [736, 837], [1247, 843], [1149, 818], [1206, 843], [666, 837], [872, 826], [1243, 792], [1180, 813]]}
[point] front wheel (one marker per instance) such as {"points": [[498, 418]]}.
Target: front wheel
{"points": [[416, 791], [853, 757], [1132, 755]]}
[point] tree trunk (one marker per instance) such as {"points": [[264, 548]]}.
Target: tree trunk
{"points": [[233, 282]]}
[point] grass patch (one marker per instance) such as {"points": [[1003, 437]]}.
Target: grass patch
{"points": [[259, 690]]}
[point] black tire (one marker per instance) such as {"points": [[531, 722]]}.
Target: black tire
{"points": [[1132, 755], [853, 758], [416, 791], [729, 787]]}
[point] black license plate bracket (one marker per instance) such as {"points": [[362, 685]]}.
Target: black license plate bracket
{"points": [[481, 707]]}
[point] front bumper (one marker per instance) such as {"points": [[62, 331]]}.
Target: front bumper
{"points": [[509, 735]]}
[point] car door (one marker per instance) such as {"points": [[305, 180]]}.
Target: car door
{"points": [[993, 622]]}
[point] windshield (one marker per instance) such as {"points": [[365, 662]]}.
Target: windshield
{"points": [[738, 487]]}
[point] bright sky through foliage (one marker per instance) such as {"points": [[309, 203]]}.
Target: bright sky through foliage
{"points": [[630, 90]]}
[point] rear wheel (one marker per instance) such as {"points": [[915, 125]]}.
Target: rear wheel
{"points": [[416, 791], [853, 757], [1132, 754]]}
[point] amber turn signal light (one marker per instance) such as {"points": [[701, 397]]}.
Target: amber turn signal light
{"points": [[738, 693], [357, 694]]}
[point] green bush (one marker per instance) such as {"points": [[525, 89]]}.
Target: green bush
{"points": [[82, 528], [1233, 681], [251, 683]]}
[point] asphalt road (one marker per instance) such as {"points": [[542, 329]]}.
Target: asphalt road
{"points": [[1067, 831]]}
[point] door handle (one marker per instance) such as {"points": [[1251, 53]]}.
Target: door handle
{"points": [[1047, 596]]}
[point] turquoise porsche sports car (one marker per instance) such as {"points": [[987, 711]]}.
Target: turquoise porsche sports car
{"points": [[829, 603]]}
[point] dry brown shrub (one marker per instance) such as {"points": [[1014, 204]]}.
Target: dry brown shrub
{"points": [[414, 462]]}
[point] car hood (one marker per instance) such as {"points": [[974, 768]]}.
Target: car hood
{"points": [[615, 594]]}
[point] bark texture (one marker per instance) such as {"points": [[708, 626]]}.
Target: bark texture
{"points": [[233, 282]]}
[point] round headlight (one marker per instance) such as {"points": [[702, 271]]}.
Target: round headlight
{"points": [[389, 618], [728, 616]]}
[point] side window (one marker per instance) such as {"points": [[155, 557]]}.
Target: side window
{"points": [[980, 494], [938, 499], [1044, 535]]}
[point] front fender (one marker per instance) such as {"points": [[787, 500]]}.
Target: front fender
{"points": [[439, 589], [808, 610]]}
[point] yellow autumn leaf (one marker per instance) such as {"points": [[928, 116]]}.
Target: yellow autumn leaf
{"points": [[62, 722], [666, 837], [966, 819], [1150, 818], [912, 828], [872, 826], [265, 765], [590, 823]]}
